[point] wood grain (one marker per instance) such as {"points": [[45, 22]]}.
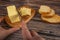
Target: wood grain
{"points": [[46, 30]]}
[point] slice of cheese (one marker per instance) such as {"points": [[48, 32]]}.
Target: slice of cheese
{"points": [[44, 9], [25, 11], [13, 14]]}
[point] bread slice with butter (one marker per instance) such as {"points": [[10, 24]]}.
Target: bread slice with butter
{"points": [[13, 14], [24, 11], [44, 9]]}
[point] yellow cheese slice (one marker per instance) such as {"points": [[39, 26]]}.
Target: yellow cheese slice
{"points": [[13, 14], [25, 11]]}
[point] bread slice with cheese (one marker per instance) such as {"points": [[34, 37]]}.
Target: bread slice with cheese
{"points": [[13, 14], [24, 11]]}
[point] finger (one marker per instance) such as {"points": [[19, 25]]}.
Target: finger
{"points": [[1, 29], [26, 35], [33, 33], [36, 35], [12, 30], [23, 24], [25, 32], [1, 18]]}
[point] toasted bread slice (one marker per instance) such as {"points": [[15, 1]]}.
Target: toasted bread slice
{"points": [[54, 19], [44, 9], [52, 13]]}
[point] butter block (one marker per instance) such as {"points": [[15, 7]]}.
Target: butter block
{"points": [[13, 14], [25, 11]]}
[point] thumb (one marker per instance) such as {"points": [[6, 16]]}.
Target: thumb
{"points": [[12, 30]]}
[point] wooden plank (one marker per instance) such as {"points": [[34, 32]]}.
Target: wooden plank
{"points": [[46, 30]]}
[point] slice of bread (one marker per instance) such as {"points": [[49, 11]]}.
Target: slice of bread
{"points": [[54, 19], [52, 13], [44, 9]]}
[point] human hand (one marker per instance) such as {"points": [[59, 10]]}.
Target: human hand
{"points": [[29, 35], [1, 18], [4, 33]]}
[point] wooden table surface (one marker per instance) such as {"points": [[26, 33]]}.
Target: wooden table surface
{"points": [[46, 30]]}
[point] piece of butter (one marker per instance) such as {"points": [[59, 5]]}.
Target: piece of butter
{"points": [[13, 14], [25, 11]]}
